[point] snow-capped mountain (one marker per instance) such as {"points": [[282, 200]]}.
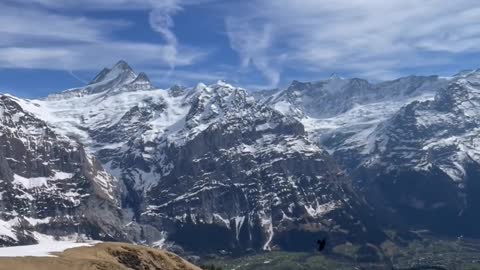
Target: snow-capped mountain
{"points": [[411, 144], [433, 146], [341, 114], [49, 184], [208, 159], [259, 170], [120, 78]]}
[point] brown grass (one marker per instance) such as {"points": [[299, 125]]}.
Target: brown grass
{"points": [[104, 256]]}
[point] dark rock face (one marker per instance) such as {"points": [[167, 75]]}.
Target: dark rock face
{"points": [[211, 168], [49, 184], [120, 78], [207, 168], [248, 175], [425, 163], [416, 161], [101, 76]]}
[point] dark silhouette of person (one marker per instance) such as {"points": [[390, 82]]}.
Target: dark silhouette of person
{"points": [[321, 244]]}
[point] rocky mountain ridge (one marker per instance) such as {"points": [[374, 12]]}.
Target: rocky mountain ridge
{"points": [[209, 159], [49, 184], [262, 171], [413, 150]]}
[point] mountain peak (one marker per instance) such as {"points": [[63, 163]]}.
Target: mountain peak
{"points": [[120, 75], [200, 87], [122, 65], [299, 86], [142, 77], [100, 76], [121, 68], [334, 76], [176, 90], [141, 82]]}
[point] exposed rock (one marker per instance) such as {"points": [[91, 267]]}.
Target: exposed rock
{"points": [[50, 184], [211, 160]]}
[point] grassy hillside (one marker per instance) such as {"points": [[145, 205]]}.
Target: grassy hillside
{"points": [[104, 256]]}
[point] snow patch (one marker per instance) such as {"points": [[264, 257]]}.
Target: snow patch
{"points": [[269, 223], [6, 228], [46, 245], [238, 225], [35, 182], [320, 210]]}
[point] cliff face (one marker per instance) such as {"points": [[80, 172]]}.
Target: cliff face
{"points": [[410, 144], [50, 184], [425, 160], [207, 168], [251, 177]]}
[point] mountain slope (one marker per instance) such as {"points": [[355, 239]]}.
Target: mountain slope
{"points": [[340, 112], [49, 184], [250, 174], [432, 144], [211, 159], [410, 144], [112, 256]]}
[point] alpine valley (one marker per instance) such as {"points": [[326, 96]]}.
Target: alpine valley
{"points": [[218, 169]]}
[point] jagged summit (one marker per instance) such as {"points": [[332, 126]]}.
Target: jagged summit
{"points": [[100, 76], [335, 76], [142, 77], [141, 82], [176, 90], [122, 65], [298, 85], [121, 77], [120, 71]]}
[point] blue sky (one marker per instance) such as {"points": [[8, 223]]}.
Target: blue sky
{"points": [[51, 45]]}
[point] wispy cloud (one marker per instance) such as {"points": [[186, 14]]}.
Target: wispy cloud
{"points": [[161, 21], [373, 37], [44, 34], [22, 25], [376, 39], [254, 45], [92, 56]]}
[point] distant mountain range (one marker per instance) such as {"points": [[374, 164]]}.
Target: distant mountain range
{"points": [[217, 168], [411, 145]]}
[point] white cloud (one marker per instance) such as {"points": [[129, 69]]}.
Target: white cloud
{"points": [[108, 4], [375, 37], [22, 25], [92, 56], [254, 45], [43, 34], [161, 21]]}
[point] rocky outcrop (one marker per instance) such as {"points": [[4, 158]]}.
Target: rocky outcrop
{"points": [[409, 144], [120, 78], [425, 160], [49, 184], [249, 175], [211, 160], [336, 95]]}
